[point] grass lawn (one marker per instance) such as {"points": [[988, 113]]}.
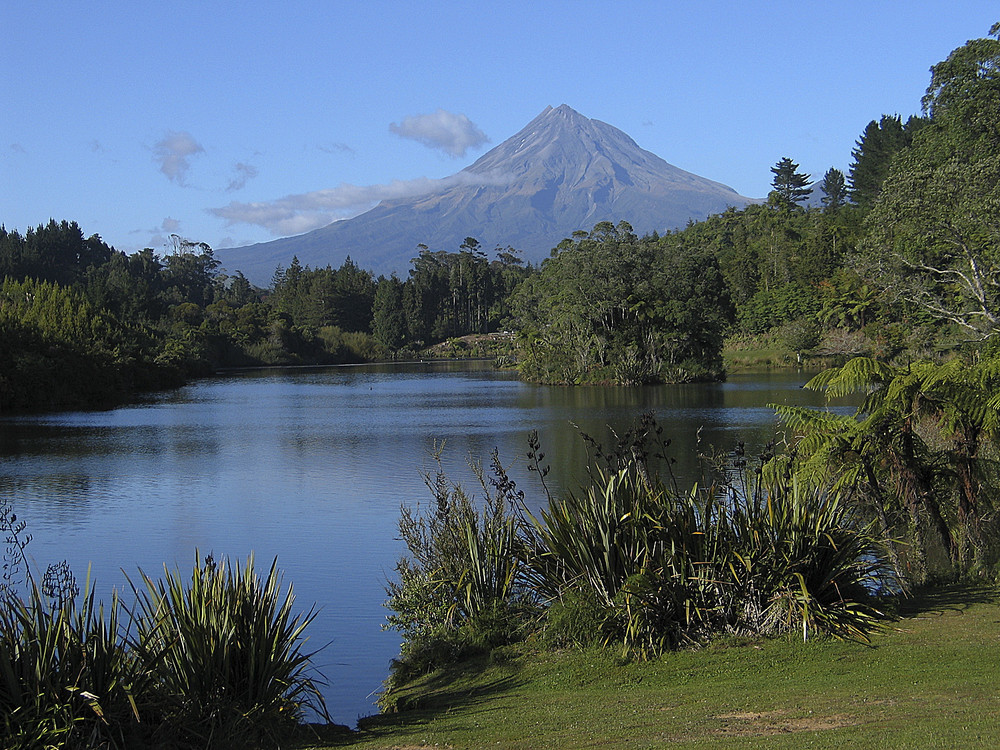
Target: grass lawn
{"points": [[929, 681]]}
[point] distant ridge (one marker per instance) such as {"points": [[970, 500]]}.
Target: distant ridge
{"points": [[561, 173]]}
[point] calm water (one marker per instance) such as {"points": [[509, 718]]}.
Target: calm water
{"points": [[311, 467]]}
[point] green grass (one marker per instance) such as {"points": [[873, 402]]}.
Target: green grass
{"points": [[928, 681]]}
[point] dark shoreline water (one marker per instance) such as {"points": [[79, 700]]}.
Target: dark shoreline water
{"points": [[311, 466]]}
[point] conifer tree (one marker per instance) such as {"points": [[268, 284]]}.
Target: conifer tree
{"points": [[790, 185], [834, 190]]}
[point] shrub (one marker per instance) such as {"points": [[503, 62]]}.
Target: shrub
{"points": [[66, 676], [226, 654], [759, 555], [216, 663], [459, 592], [631, 559]]}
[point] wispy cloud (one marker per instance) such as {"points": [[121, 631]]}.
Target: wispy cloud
{"points": [[157, 238], [17, 148], [452, 133], [243, 173], [336, 148], [173, 153], [295, 214]]}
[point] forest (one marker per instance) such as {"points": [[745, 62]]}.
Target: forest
{"points": [[895, 259]]}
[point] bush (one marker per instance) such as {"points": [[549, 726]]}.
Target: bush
{"points": [[215, 663], [460, 590], [759, 556], [632, 560], [226, 654]]}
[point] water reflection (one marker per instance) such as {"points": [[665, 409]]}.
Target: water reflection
{"points": [[312, 466]]}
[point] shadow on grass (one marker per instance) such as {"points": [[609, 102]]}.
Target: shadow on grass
{"points": [[445, 690], [952, 597]]}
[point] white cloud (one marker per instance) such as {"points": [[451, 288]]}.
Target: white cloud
{"points": [[449, 132], [295, 214], [170, 225], [243, 174], [173, 152]]}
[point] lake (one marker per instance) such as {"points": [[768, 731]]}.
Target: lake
{"points": [[311, 467]]}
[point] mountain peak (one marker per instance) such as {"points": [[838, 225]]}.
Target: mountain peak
{"points": [[561, 173], [563, 110]]}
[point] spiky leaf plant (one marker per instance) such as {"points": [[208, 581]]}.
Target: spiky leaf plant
{"points": [[226, 651], [66, 677]]}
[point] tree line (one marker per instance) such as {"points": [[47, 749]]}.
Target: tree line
{"points": [[897, 259], [70, 304]]}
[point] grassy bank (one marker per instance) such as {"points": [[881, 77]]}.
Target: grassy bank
{"points": [[927, 681]]}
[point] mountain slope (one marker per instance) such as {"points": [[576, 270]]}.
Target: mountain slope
{"points": [[563, 172]]}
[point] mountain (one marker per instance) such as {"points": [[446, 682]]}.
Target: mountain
{"points": [[562, 173]]}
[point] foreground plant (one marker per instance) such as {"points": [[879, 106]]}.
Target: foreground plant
{"points": [[214, 662], [632, 560], [66, 677], [460, 590], [226, 652]]}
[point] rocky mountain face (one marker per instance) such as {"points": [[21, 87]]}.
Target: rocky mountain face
{"points": [[562, 173]]}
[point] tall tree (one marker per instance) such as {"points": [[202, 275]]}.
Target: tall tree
{"points": [[934, 234], [389, 323], [872, 155], [790, 185], [834, 190]]}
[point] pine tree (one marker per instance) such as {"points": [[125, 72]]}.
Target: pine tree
{"points": [[389, 322], [834, 190], [790, 185]]}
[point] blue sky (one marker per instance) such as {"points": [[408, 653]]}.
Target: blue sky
{"points": [[236, 123]]}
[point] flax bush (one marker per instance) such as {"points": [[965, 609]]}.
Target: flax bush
{"points": [[632, 560], [226, 652], [755, 555], [214, 662]]}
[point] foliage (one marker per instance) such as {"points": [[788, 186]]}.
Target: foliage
{"points": [[66, 676], [226, 652], [758, 555], [608, 307], [933, 233], [459, 590], [834, 190], [323, 296], [217, 662], [59, 351], [791, 187], [56, 252], [388, 321], [451, 294], [873, 155], [918, 452]]}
